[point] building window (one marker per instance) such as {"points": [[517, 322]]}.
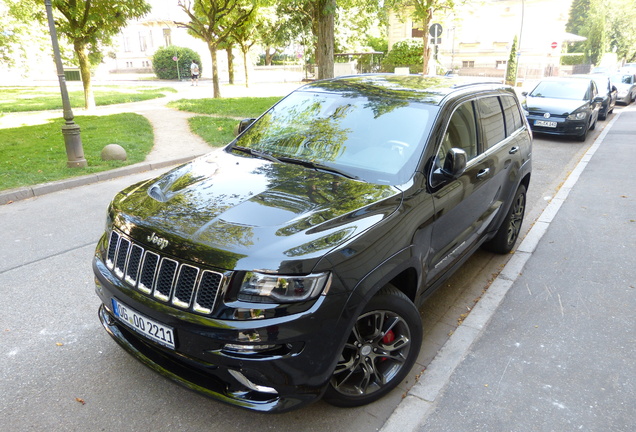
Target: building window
{"points": [[142, 42], [468, 63], [500, 64], [126, 44], [167, 38]]}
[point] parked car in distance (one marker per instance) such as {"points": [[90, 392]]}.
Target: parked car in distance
{"points": [[563, 106], [606, 89], [625, 82], [290, 265]]}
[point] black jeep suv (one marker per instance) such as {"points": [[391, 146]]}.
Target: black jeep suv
{"points": [[289, 265]]}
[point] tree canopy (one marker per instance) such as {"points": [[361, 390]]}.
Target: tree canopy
{"points": [[89, 25], [214, 21]]}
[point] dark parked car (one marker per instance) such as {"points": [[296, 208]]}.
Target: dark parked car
{"points": [[563, 106], [289, 265], [606, 89], [625, 82]]}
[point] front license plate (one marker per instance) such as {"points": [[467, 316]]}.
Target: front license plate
{"points": [[150, 328], [544, 123]]}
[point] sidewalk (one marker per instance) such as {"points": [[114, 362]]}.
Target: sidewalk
{"points": [[559, 353], [174, 143]]}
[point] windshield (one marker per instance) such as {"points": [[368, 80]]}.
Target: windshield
{"points": [[373, 137], [574, 89], [622, 79]]}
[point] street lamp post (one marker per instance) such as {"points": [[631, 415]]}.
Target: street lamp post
{"points": [[71, 131]]}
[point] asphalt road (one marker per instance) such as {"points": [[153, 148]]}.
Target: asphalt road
{"points": [[60, 371]]}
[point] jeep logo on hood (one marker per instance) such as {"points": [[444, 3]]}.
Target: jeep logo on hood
{"points": [[159, 241]]}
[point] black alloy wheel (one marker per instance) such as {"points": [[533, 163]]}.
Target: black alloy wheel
{"points": [[380, 351], [508, 232]]}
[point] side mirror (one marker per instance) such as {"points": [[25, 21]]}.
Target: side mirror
{"points": [[598, 99], [454, 166], [614, 88], [524, 93], [242, 125]]}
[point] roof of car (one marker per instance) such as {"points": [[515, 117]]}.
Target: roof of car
{"points": [[416, 88]]}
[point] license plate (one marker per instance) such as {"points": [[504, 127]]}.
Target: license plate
{"points": [[150, 328], [545, 123]]}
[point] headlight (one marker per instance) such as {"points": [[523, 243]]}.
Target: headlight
{"points": [[577, 116], [264, 288]]}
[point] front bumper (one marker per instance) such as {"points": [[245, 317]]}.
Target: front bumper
{"points": [[277, 381], [563, 126]]}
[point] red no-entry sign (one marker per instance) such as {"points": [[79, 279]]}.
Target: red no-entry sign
{"points": [[553, 45]]}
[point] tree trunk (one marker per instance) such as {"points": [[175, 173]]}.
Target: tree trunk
{"points": [[230, 63], [269, 55], [324, 49], [85, 72], [247, 73], [215, 72], [426, 55]]}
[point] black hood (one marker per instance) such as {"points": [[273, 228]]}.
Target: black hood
{"points": [[248, 213]]}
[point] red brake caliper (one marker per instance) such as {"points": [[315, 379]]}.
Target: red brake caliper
{"points": [[387, 339]]}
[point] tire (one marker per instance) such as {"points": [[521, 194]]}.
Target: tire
{"points": [[583, 136], [508, 233], [380, 351]]}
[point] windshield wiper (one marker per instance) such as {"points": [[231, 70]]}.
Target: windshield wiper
{"points": [[257, 153], [319, 167]]}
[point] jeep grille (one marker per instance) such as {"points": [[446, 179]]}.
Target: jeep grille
{"points": [[165, 279]]}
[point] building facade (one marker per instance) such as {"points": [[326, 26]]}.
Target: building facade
{"points": [[477, 37]]}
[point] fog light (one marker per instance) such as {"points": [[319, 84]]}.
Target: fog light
{"points": [[238, 348], [249, 384]]}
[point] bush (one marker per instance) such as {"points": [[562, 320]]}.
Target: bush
{"points": [[166, 68], [403, 54], [572, 59]]}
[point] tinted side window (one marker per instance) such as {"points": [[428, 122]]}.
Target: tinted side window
{"points": [[492, 121], [461, 133], [511, 114]]}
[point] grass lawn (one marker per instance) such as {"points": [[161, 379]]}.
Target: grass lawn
{"points": [[36, 154], [20, 99], [232, 107], [216, 131]]}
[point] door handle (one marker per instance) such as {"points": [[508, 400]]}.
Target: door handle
{"points": [[513, 150], [483, 173]]}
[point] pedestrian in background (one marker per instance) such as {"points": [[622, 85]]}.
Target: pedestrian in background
{"points": [[194, 70]]}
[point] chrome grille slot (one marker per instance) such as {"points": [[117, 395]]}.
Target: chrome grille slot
{"points": [[186, 282], [134, 260], [148, 271], [112, 249], [208, 288], [167, 280], [120, 257]]}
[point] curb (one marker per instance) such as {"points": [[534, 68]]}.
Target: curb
{"points": [[18, 194], [413, 411]]}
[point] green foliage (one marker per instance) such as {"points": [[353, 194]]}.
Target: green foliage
{"points": [[606, 28], [166, 68], [404, 53], [511, 69], [572, 59], [36, 154], [579, 11]]}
